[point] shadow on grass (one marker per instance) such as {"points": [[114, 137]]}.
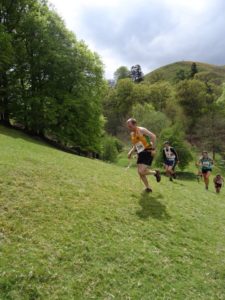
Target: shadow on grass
{"points": [[41, 140], [18, 133], [152, 207], [186, 176]]}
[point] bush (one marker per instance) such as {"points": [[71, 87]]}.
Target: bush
{"points": [[110, 148]]}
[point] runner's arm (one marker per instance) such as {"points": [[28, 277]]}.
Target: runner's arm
{"points": [[132, 150], [164, 156], [175, 153], [150, 134]]}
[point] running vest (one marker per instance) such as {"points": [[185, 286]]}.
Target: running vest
{"points": [[206, 163], [169, 154], [140, 141]]}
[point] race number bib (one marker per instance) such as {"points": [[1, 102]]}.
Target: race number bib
{"points": [[206, 164], [139, 147]]}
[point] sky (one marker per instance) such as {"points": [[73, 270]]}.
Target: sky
{"points": [[151, 33]]}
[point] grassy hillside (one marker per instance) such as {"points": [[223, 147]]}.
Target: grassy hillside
{"points": [[75, 228], [168, 72]]}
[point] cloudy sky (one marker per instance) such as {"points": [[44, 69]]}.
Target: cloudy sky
{"points": [[151, 33]]}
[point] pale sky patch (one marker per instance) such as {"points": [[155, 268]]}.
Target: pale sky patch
{"points": [[151, 33]]}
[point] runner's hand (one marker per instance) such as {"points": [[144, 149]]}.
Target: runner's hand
{"points": [[153, 152]]}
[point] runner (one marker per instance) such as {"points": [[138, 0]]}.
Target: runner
{"points": [[206, 163], [218, 182], [144, 145], [170, 160]]}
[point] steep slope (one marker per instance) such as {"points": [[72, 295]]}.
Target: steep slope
{"points": [[76, 228]]}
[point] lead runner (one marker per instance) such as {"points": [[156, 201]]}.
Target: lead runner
{"points": [[143, 142]]}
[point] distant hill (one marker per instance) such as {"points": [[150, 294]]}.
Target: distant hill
{"points": [[206, 72]]}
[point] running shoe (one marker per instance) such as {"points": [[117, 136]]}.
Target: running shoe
{"points": [[157, 175], [148, 190]]}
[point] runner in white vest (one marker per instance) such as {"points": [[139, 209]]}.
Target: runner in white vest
{"points": [[170, 158]]}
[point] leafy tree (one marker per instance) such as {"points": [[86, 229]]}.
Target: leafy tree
{"points": [[148, 117], [159, 94], [211, 131], [181, 75], [210, 77], [192, 97], [211, 127], [11, 13], [121, 73], [194, 70], [155, 77], [54, 83], [136, 73]]}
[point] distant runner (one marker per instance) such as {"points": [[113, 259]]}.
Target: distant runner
{"points": [[143, 142], [218, 182], [206, 164], [170, 158]]}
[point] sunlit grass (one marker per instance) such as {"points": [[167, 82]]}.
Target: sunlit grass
{"points": [[76, 228]]}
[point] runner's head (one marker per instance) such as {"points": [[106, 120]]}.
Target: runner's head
{"points": [[131, 124], [166, 144], [204, 153]]}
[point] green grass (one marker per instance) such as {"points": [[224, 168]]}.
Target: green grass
{"points": [[169, 72], [76, 228]]}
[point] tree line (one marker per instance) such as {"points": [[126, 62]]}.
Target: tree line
{"points": [[192, 106], [52, 85]]}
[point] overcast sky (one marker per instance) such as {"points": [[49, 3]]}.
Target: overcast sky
{"points": [[151, 33]]}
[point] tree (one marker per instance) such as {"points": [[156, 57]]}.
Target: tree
{"points": [[211, 127], [192, 95], [54, 83], [136, 73], [11, 14], [181, 75], [194, 70], [211, 131], [148, 117], [159, 94], [121, 73]]}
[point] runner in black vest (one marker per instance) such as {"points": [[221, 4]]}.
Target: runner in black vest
{"points": [[206, 164]]}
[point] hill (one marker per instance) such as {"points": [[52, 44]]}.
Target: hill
{"points": [[76, 228], [169, 72]]}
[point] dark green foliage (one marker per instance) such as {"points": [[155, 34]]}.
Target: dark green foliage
{"points": [[181, 75], [194, 70], [176, 137], [149, 118], [51, 83], [110, 147], [192, 95], [121, 73]]}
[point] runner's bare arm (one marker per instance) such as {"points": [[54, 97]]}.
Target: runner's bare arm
{"points": [[150, 134], [132, 150]]}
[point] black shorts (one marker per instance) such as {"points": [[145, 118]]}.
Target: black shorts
{"points": [[204, 171], [145, 158], [218, 185], [170, 163]]}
